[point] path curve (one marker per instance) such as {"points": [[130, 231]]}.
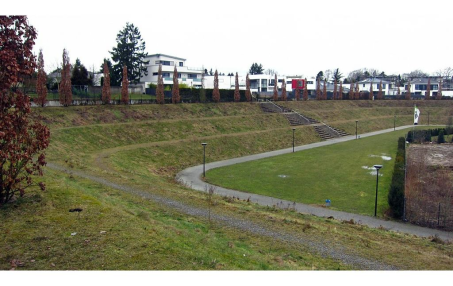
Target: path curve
{"points": [[191, 177]]}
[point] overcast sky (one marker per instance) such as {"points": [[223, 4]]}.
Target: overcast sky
{"points": [[291, 37]]}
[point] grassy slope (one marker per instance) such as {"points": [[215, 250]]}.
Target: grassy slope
{"points": [[143, 235]]}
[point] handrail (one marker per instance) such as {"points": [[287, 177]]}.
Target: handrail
{"points": [[332, 129], [281, 109]]}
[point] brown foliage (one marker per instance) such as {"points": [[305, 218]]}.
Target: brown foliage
{"points": [[125, 87], [275, 95], [428, 90], [248, 94], [439, 92], [318, 89], [175, 97], [297, 95], [379, 95], [351, 91], [237, 95], [216, 92], [160, 97], [357, 91], [284, 98], [334, 96], [65, 89], [324, 90], [408, 91], [340, 92], [371, 91], [305, 94], [22, 142], [41, 88], [106, 91]]}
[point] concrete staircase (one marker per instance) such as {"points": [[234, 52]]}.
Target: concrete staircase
{"points": [[294, 118], [327, 132]]}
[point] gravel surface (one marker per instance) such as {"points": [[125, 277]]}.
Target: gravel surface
{"points": [[323, 248]]}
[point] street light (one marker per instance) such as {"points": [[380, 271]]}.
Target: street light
{"points": [[356, 128], [394, 122], [204, 158], [293, 138], [377, 183]]}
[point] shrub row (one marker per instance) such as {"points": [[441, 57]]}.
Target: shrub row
{"points": [[396, 193]]}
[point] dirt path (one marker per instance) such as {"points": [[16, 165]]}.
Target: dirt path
{"points": [[192, 177], [323, 248]]}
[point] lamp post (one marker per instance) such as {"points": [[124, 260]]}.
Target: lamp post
{"points": [[293, 138], [204, 158], [377, 183], [356, 128], [394, 122]]}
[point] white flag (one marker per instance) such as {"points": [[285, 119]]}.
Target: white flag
{"points": [[416, 115]]}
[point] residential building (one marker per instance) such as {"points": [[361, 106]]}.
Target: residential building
{"points": [[388, 88], [188, 75]]}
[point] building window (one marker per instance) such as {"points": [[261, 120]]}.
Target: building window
{"points": [[363, 85], [155, 73], [165, 74], [181, 64], [310, 82], [271, 82], [263, 82], [289, 82], [179, 75], [280, 80], [192, 75], [383, 85]]}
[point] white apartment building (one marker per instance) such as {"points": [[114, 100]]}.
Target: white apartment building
{"points": [[387, 87], [420, 85], [188, 75]]}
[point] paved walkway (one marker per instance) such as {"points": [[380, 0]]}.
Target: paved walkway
{"points": [[191, 177]]}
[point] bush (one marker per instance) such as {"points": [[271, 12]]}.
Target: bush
{"points": [[396, 192], [441, 137]]}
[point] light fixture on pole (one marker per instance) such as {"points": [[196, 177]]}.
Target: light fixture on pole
{"points": [[356, 128], [204, 158], [293, 138], [377, 183], [394, 122]]}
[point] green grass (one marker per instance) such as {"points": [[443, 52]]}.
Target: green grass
{"points": [[332, 172], [144, 147]]}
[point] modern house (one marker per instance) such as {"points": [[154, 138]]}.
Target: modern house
{"points": [[388, 88], [188, 75], [419, 86]]}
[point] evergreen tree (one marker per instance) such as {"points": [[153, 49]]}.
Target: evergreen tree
{"points": [[256, 69], [248, 94], [357, 91], [318, 88], [237, 95], [340, 93], [160, 96], [80, 74], [130, 51], [324, 90], [175, 97], [216, 92], [125, 87], [371, 91]]}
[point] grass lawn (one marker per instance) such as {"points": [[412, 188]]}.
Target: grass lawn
{"points": [[342, 173]]}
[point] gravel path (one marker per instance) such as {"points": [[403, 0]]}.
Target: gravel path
{"points": [[191, 177], [323, 248]]}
